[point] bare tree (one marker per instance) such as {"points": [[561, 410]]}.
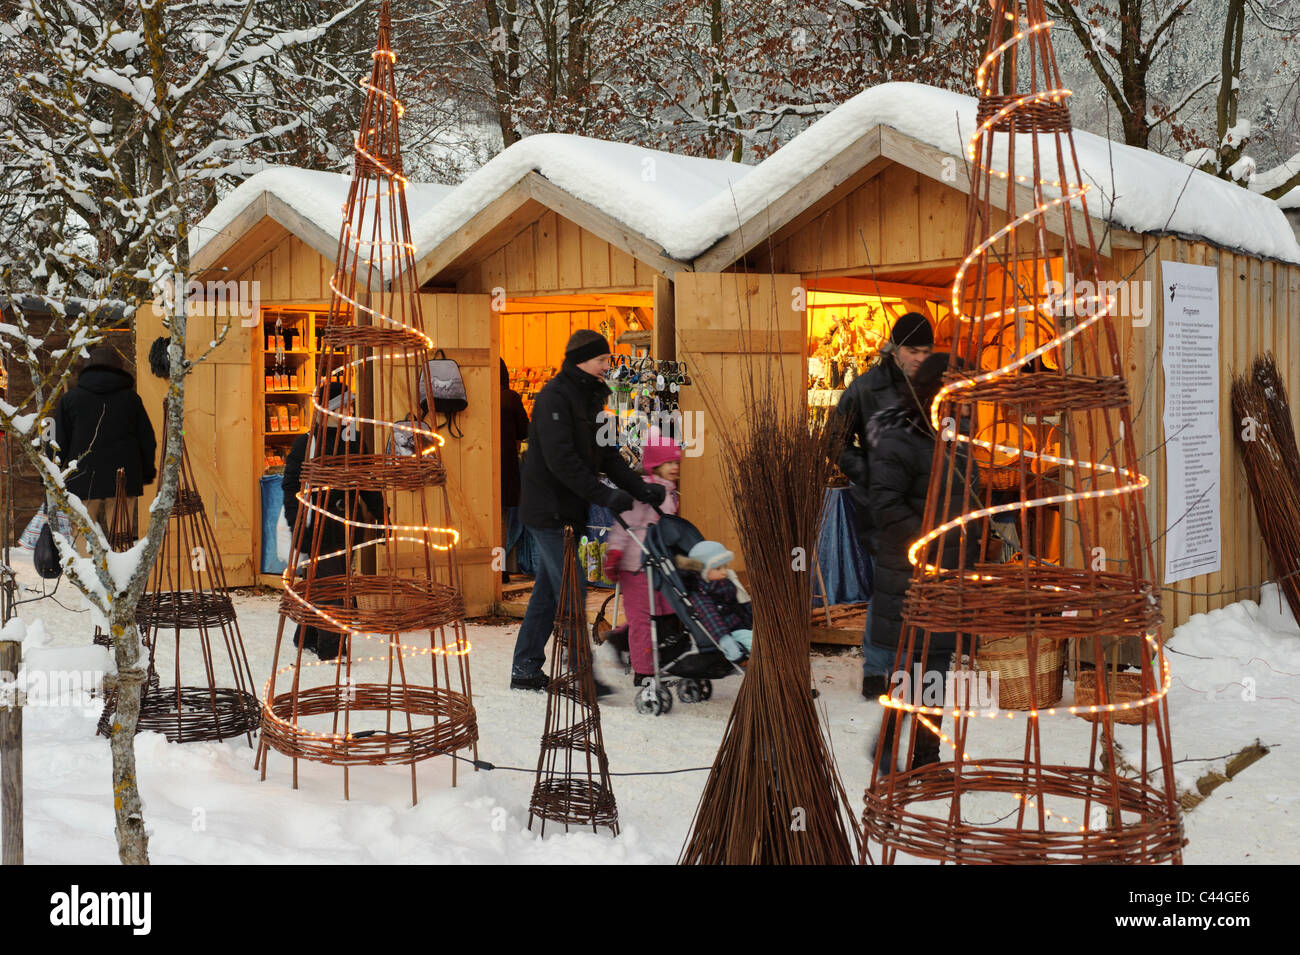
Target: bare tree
{"points": [[113, 132], [1121, 39], [1227, 158]]}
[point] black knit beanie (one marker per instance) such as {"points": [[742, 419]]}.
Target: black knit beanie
{"points": [[913, 330], [585, 344]]}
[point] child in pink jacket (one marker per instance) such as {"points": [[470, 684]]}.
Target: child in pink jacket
{"points": [[661, 462]]}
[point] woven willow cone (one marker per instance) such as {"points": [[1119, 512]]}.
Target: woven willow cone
{"points": [[1042, 408], [187, 600], [573, 785], [373, 556]]}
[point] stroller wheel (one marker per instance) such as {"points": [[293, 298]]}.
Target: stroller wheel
{"points": [[646, 705], [706, 689], [650, 703], [665, 701], [688, 691]]}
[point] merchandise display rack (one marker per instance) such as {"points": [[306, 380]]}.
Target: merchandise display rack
{"points": [[289, 374]]}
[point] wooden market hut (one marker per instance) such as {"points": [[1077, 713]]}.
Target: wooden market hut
{"points": [[509, 264], [875, 205], [858, 218]]}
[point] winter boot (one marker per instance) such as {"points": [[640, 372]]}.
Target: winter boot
{"points": [[874, 686]]}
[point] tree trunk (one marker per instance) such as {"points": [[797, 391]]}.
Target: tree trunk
{"points": [[132, 842], [1225, 111], [11, 759]]}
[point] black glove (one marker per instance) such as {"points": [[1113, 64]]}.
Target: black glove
{"points": [[653, 493], [619, 501]]}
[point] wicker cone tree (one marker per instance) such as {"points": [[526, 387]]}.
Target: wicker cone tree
{"points": [[573, 785], [1029, 350], [373, 562], [187, 597]]}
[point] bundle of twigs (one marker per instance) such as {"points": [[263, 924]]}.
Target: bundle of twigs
{"points": [[774, 795], [1266, 440]]}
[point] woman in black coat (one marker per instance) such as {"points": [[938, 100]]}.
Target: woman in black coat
{"points": [[902, 454], [367, 506], [102, 425]]}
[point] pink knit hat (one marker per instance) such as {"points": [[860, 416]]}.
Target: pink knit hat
{"points": [[658, 450]]}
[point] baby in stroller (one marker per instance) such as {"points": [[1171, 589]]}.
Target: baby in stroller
{"points": [[720, 600]]}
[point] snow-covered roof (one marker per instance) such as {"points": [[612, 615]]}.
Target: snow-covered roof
{"points": [[316, 196], [657, 194], [1137, 190], [685, 205]]}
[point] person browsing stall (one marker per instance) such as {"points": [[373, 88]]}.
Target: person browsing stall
{"points": [[911, 341], [561, 479]]}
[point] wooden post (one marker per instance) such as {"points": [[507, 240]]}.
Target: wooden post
{"points": [[11, 760], [11, 717]]}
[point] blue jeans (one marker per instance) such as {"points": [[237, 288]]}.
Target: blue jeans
{"points": [[876, 661], [539, 618]]}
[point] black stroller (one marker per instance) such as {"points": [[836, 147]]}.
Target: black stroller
{"points": [[689, 659]]}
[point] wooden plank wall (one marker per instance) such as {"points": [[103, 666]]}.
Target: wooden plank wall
{"points": [[554, 254], [536, 339], [897, 218], [466, 327], [1259, 306], [730, 325], [223, 405]]}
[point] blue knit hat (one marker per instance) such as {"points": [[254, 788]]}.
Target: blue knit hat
{"points": [[711, 554]]}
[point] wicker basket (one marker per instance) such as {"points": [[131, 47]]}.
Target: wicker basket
{"points": [[1121, 688], [1009, 658]]}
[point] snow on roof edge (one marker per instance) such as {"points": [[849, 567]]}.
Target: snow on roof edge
{"points": [[1150, 192], [685, 205]]}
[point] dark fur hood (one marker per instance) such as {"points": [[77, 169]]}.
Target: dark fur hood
{"points": [[899, 416]]}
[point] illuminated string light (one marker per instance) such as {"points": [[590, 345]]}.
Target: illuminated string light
{"points": [[375, 254], [381, 316], [1161, 693], [462, 647], [1129, 481]]}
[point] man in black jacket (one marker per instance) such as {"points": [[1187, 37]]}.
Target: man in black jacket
{"points": [[910, 342], [102, 425], [561, 478], [902, 443]]}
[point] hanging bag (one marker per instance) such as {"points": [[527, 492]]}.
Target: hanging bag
{"points": [[46, 556], [449, 397]]}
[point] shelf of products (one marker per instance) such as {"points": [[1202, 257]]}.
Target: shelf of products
{"points": [[529, 381], [293, 357]]}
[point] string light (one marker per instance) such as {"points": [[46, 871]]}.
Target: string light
{"points": [[1156, 697], [462, 647], [374, 254], [381, 316], [1130, 481]]}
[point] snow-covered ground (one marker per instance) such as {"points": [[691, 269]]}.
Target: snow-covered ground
{"points": [[1236, 680]]}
